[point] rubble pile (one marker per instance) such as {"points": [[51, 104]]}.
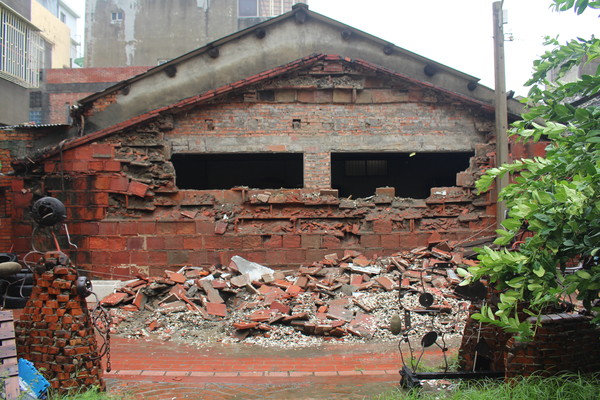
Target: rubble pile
{"points": [[343, 298]]}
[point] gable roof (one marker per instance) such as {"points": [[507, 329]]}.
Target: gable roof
{"points": [[278, 41], [211, 95]]}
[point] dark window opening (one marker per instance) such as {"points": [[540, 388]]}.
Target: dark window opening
{"points": [[359, 174], [224, 171], [35, 99], [266, 95], [248, 8]]}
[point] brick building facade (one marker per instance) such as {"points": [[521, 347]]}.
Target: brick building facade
{"points": [[278, 154]]}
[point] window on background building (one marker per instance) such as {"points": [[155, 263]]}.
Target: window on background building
{"points": [[224, 171], [21, 49], [116, 16], [35, 99], [248, 8], [35, 116], [63, 17]]}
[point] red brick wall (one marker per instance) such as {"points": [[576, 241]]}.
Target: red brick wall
{"points": [[126, 215], [317, 167], [123, 223], [92, 75], [14, 198], [563, 343], [66, 85]]}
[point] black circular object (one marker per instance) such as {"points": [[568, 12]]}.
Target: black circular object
{"points": [[12, 302], [426, 299], [48, 211], [19, 290], [8, 257], [429, 339], [84, 286], [21, 278]]}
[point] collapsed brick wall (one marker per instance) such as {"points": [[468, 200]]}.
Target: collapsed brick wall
{"points": [[126, 214]]}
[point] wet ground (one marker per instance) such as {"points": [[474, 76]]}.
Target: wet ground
{"points": [[165, 370]]}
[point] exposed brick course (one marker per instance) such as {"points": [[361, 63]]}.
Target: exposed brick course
{"points": [[126, 213], [55, 332]]}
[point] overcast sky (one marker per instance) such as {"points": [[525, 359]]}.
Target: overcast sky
{"points": [[457, 33]]}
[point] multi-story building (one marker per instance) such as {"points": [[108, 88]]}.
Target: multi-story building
{"points": [[55, 18], [22, 49], [150, 32]]}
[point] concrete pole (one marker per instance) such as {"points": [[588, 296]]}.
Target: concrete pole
{"points": [[500, 105]]}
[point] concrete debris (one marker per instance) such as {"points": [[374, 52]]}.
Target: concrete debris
{"points": [[253, 270], [346, 298]]}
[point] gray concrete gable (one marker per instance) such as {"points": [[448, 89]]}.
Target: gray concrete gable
{"points": [[265, 46]]}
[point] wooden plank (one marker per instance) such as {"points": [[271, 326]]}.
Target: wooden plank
{"points": [[8, 357], [6, 315], [8, 351], [11, 388], [7, 331], [11, 369]]}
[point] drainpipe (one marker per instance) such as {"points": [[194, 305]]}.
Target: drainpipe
{"points": [[500, 106]]}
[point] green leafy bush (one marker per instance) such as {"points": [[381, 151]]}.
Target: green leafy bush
{"points": [[555, 199]]}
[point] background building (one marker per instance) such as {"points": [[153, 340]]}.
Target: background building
{"points": [[149, 32], [22, 51], [66, 51]]}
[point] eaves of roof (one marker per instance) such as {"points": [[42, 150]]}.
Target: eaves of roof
{"points": [[212, 94]]}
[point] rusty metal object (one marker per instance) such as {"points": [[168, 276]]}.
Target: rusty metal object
{"points": [[48, 211]]}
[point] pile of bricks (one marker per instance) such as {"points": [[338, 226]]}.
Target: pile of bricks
{"points": [[56, 334], [327, 298]]}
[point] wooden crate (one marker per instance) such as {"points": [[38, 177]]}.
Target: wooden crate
{"points": [[9, 370]]}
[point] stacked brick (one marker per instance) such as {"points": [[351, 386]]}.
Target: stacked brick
{"points": [[489, 357], [563, 343], [56, 334]]}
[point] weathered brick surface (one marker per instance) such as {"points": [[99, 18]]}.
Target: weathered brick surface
{"points": [[126, 213], [563, 343], [55, 332]]}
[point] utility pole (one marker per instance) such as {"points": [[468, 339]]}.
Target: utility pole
{"points": [[500, 105]]}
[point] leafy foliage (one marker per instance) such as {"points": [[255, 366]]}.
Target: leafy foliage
{"points": [[555, 199], [579, 6]]}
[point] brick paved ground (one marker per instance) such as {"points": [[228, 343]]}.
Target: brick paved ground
{"points": [[164, 370]]}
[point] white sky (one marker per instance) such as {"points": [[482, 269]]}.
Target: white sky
{"points": [[457, 33]]}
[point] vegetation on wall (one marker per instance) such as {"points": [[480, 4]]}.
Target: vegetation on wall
{"points": [[554, 200]]}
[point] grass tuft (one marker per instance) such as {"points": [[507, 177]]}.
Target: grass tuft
{"points": [[563, 387]]}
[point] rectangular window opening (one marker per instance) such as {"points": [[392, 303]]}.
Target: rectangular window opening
{"points": [[224, 171], [35, 99], [21, 49], [248, 8], [359, 174]]}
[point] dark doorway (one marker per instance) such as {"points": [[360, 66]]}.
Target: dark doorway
{"points": [[359, 174], [224, 171]]}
